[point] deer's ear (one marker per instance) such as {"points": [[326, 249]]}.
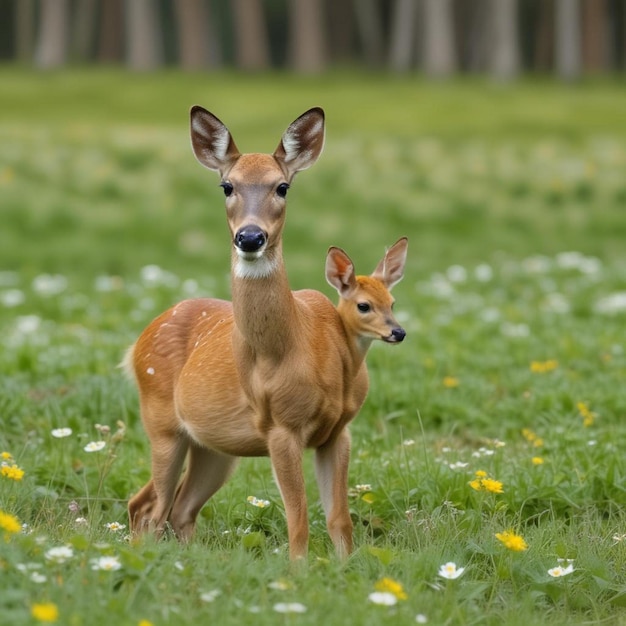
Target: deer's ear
{"points": [[340, 271], [211, 141], [302, 142], [390, 269]]}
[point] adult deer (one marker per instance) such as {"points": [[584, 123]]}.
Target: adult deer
{"points": [[273, 372]]}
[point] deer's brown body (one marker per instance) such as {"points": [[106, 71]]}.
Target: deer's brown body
{"points": [[273, 372]]}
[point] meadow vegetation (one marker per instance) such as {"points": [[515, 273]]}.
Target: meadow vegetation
{"points": [[488, 480]]}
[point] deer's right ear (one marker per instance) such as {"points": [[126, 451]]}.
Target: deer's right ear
{"points": [[211, 141], [340, 271]]}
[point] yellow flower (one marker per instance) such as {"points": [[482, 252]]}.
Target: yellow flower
{"points": [[512, 541], [45, 612], [12, 471], [6, 456], [450, 382], [9, 523], [369, 498], [494, 486], [388, 585], [484, 483], [532, 437], [145, 622], [537, 460], [542, 367], [587, 415]]}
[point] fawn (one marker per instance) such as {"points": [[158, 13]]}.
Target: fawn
{"points": [[272, 372]]}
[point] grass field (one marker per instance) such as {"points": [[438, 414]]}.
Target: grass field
{"points": [[502, 412]]}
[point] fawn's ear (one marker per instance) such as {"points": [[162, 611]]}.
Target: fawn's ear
{"points": [[340, 271], [211, 141], [302, 142], [390, 269]]}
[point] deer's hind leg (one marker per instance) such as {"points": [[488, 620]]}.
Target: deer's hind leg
{"points": [[149, 509], [207, 470]]}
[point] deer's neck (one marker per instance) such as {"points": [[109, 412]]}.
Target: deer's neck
{"points": [[264, 307]]}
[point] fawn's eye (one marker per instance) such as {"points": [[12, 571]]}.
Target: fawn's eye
{"points": [[227, 187], [363, 307], [281, 190]]}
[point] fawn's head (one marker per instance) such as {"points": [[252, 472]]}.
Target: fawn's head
{"points": [[256, 185], [366, 303]]}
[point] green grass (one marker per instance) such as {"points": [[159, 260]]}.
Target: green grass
{"points": [[108, 219]]}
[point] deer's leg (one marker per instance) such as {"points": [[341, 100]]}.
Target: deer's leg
{"points": [[331, 470], [149, 509], [286, 455], [207, 470]]}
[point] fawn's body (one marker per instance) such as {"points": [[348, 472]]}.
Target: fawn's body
{"points": [[273, 372]]}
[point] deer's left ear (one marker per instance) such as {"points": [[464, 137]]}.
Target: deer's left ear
{"points": [[390, 269], [302, 142], [340, 271]]}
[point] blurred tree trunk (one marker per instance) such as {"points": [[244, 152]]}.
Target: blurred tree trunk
{"points": [[252, 45], [567, 40], [340, 29], [24, 30], [193, 26], [477, 33], [144, 41], [370, 29], [111, 35], [544, 44], [402, 38], [54, 29], [307, 45], [504, 41], [595, 36], [439, 41], [84, 27]]}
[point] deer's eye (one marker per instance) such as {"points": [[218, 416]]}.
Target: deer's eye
{"points": [[227, 187], [363, 307], [281, 190]]}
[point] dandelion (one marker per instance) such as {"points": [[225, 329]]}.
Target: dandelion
{"points": [[45, 612], [512, 541], [115, 526], [12, 471], [6, 456], [106, 563], [532, 437], [450, 571], [60, 433], [9, 524], [382, 598], [290, 607], [145, 622], [559, 571], [543, 367], [450, 382], [59, 554], [483, 483], [536, 460], [94, 446], [261, 504], [587, 415], [388, 585]]}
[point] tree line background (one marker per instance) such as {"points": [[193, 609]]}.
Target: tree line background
{"points": [[439, 38]]}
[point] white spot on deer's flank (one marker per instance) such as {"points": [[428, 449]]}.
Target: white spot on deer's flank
{"points": [[150, 371]]}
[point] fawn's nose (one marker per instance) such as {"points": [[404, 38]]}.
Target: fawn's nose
{"points": [[250, 239], [398, 334]]}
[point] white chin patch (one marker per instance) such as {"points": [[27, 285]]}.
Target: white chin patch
{"points": [[249, 266]]}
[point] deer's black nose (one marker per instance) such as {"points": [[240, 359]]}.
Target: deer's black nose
{"points": [[398, 334], [250, 239]]}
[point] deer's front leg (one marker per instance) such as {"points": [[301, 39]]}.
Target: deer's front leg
{"points": [[286, 455], [331, 469]]}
